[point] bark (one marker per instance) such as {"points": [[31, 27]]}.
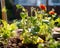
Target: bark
{"points": [[4, 14]]}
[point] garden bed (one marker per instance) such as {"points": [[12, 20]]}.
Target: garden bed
{"points": [[31, 31]]}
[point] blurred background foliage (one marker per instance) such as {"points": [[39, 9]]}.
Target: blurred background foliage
{"points": [[10, 11]]}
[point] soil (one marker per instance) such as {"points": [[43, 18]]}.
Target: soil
{"points": [[16, 43]]}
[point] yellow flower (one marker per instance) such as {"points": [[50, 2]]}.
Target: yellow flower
{"points": [[22, 42], [21, 37], [39, 40]]}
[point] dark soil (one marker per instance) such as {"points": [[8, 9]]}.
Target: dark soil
{"points": [[1, 45], [16, 43]]}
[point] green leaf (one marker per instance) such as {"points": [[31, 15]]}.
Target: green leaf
{"points": [[23, 15]]}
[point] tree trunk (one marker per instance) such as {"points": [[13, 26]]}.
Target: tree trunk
{"points": [[4, 14]]}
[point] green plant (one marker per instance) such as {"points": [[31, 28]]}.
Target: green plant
{"points": [[7, 31], [57, 22], [35, 26]]}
